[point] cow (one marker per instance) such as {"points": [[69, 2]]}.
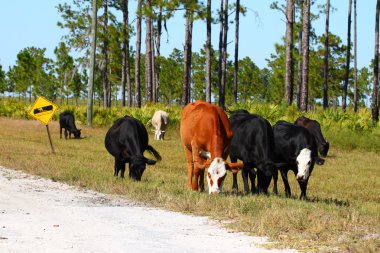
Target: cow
{"points": [[160, 121], [315, 129], [67, 121], [206, 136], [126, 141], [296, 150], [252, 143]]}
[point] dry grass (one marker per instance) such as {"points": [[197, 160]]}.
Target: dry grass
{"points": [[343, 214]]}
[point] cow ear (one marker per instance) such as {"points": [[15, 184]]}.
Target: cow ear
{"points": [[150, 162], [234, 167]]}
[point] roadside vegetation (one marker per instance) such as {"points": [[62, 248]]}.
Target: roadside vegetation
{"points": [[341, 215]]}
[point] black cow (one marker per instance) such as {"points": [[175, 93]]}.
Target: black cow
{"points": [[252, 143], [315, 129], [127, 140], [296, 150], [67, 121]]}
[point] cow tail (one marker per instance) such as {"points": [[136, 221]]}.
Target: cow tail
{"points": [[154, 152]]}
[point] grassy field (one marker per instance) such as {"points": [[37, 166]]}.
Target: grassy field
{"points": [[342, 215]]}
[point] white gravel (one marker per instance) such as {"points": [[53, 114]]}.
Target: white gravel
{"points": [[39, 215]]}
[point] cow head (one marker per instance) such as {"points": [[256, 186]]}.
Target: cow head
{"points": [[324, 148], [159, 134], [217, 171], [137, 165], [304, 165], [77, 133]]}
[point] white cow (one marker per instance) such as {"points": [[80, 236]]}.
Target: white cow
{"points": [[160, 121]]}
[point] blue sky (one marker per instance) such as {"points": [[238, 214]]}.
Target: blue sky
{"points": [[26, 23]]}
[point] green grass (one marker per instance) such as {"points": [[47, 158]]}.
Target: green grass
{"points": [[342, 215]]}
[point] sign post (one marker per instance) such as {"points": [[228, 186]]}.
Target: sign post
{"points": [[43, 110]]}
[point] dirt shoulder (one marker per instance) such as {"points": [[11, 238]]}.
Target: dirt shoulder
{"points": [[39, 215]]}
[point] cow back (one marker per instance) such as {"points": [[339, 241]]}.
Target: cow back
{"points": [[208, 126], [127, 137]]}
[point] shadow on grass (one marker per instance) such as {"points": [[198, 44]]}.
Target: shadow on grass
{"points": [[329, 201]]}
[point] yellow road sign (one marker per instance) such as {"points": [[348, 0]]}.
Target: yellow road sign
{"points": [[43, 110]]}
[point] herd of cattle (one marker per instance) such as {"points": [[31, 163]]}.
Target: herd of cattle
{"points": [[209, 137]]}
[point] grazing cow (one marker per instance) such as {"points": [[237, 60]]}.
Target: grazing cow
{"points": [[160, 121], [252, 143], [126, 140], [296, 150], [67, 121], [315, 129], [206, 135]]}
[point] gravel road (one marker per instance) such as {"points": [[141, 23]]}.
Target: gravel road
{"points": [[39, 215]]}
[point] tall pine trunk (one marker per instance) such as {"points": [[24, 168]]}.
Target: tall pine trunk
{"points": [[300, 61], [305, 55], [348, 54], [158, 50], [221, 17], [236, 63], [208, 53], [187, 58], [154, 83], [355, 63], [375, 95], [126, 69], [106, 88], [289, 65], [148, 54], [326, 59], [138, 56], [222, 92], [91, 78]]}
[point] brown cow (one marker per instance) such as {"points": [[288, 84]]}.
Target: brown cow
{"points": [[206, 135]]}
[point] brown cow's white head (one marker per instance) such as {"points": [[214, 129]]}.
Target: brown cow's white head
{"points": [[217, 171]]}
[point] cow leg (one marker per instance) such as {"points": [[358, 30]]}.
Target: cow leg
{"points": [[190, 167], [284, 175], [303, 186], [234, 178], [275, 178], [252, 177], [60, 132], [244, 174], [201, 179], [119, 166], [66, 134]]}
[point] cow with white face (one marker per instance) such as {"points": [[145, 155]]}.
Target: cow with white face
{"points": [[296, 150], [206, 136], [160, 121]]}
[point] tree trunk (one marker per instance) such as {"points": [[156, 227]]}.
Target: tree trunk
{"points": [[348, 54], [289, 65], [300, 62], [221, 17], [326, 58], [305, 55], [187, 58], [222, 97], [92, 64], [154, 83], [138, 56], [375, 95], [106, 88], [355, 63], [148, 55], [126, 69], [208, 54], [158, 49], [236, 63]]}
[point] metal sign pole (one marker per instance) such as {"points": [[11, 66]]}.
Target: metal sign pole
{"points": [[51, 143]]}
